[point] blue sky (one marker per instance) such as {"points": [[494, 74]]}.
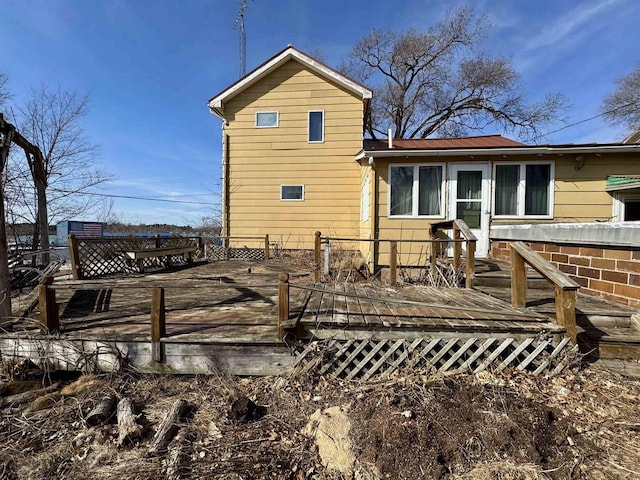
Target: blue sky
{"points": [[150, 66]]}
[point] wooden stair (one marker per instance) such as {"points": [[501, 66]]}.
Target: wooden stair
{"points": [[606, 330]]}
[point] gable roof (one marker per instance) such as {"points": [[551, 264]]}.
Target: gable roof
{"points": [[216, 103]]}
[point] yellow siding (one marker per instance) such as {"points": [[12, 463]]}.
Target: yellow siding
{"points": [[262, 159]]}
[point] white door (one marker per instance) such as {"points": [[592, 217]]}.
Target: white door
{"points": [[469, 190]]}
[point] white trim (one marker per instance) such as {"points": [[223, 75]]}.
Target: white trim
{"points": [[216, 104], [365, 198], [292, 199], [521, 192], [479, 151], [619, 204], [482, 233], [309, 126], [415, 191], [268, 126]]}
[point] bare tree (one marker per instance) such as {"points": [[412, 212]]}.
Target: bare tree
{"points": [[435, 83], [5, 93], [51, 119], [622, 107]]}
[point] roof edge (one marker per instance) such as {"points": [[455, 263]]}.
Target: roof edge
{"points": [[290, 52], [481, 151]]}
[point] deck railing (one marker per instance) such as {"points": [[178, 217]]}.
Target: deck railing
{"points": [[98, 256], [461, 234], [565, 288]]}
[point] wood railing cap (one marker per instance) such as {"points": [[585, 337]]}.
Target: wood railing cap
{"points": [[544, 268]]}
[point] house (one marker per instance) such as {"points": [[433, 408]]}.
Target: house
{"points": [[295, 161]]}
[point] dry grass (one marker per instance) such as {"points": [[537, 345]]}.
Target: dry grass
{"points": [[512, 426]]}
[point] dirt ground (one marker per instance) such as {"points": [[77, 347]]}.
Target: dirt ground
{"points": [[582, 425]]}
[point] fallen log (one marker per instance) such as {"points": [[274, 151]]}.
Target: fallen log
{"points": [[178, 452], [168, 428], [128, 427], [26, 397], [103, 411]]}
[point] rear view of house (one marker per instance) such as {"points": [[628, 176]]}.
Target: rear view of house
{"points": [[295, 161]]}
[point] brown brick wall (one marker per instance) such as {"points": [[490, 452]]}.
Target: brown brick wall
{"points": [[611, 274]]}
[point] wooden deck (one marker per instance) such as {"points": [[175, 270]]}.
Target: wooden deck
{"points": [[223, 316]]}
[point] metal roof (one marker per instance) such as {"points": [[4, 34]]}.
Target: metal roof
{"points": [[622, 182]]}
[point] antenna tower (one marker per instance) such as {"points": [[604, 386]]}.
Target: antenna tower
{"points": [[239, 23]]}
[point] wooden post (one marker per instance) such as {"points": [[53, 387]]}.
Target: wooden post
{"points": [[471, 264], [316, 257], [518, 280], [457, 246], [158, 325], [327, 257], [74, 254], [433, 257], [201, 247], [158, 241], [566, 311], [266, 247], [283, 303], [49, 320], [393, 262]]}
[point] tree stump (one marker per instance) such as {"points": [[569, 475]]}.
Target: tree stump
{"points": [[128, 427], [103, 411], [168, 427]]}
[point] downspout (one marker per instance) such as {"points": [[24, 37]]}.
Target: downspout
{"points": [[375, 221], [225, 181]]}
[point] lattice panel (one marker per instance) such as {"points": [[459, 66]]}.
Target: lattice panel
{"points": [[216, 252], [361, 359], [105, 256]]}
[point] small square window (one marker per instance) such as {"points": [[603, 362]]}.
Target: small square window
{"points": [[266, 119], [316, 126], [292, 192]]}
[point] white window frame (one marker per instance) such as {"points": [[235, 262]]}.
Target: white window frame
{"points": [[522, 189], [364, 199], [268, 126], [309, 126], [415, 191], [292, 199], [619, 204]]}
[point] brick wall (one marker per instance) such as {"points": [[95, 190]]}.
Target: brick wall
{"points": [[612, 274]]}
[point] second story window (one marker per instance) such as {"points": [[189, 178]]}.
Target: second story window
{"points": [[316, 126], [266, 119]]}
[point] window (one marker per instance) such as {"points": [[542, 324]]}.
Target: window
{"points": [[364, 201], [626, 206], [292, 192], [416, 190], [266, 119], [316, 126], [523, 190]]}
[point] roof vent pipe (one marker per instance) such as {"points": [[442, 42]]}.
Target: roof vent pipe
{"points": [[390, 137]]}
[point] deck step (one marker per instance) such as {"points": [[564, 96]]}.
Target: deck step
{"points": [[612, 343], [503, 280]]}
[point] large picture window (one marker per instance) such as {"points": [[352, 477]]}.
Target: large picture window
{"points": [[523, 190], [416, 190]]}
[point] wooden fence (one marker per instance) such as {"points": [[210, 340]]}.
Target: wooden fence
{"points": [[100, 256]]}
